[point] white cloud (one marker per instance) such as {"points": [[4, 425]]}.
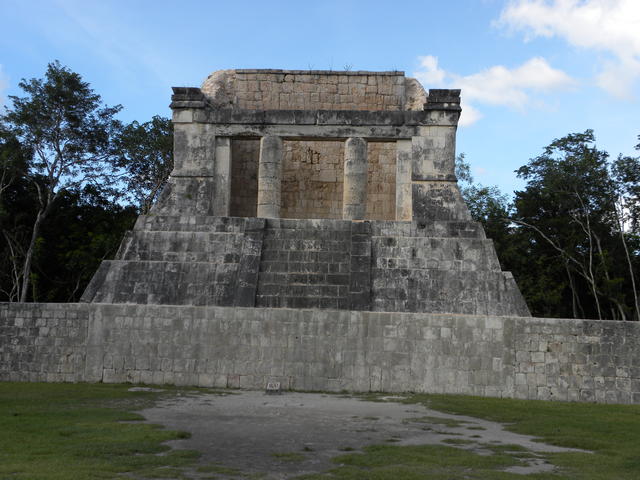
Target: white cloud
{"points": [[430, 73], [608, 26], [497, 85]]}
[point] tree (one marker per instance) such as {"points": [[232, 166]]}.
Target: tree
{"points": [[68, 131], [13, 161], [493, 210], [13, 210], [85, 228], [570, 207], [145, 152]]}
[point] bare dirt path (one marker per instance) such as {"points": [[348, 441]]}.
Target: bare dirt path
{"points": [[292, 433]]}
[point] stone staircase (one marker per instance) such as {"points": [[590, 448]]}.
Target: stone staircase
{"points": [[428, 271], [436, 267], [182, 261], [305, 264]]}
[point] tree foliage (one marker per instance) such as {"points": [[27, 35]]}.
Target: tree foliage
{"points": [[570, 236], [68, 132], [145, 152]]}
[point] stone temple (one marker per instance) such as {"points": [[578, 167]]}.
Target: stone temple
{"points": [[312, 189], [312, 234]]}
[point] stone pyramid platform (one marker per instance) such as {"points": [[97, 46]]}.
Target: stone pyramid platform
{"points": [[369, 174], [438, 267]]}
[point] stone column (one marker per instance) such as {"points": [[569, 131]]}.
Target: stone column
{"points": [[434, 153], [435, 193], [270, 177], [404, 210], [222, 192], [190, 188], [356, 164]]}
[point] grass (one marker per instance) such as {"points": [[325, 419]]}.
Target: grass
{"points": [[611, 432], [220, 469], [91, 431], [433, 462], [457, 441], [83, 431]]}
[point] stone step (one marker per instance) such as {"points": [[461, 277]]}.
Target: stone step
{"points": [[438, 228], [440, 291], [434, 253], [195, 223], [177, 246], [302, 301], [162, 282]]}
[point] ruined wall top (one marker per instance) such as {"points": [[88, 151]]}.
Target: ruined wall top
{"points": [[313, 90]]}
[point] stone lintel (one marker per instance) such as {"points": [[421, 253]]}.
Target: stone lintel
{"points": [[315, 132], [328, 117]]}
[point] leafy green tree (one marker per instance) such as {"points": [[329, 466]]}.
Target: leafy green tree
{"points": [[69, 133], [145, 153], [85, 228], [569, 209], [493, 209]]}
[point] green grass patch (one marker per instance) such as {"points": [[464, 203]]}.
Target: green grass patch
{"points": [[504, 447], [457, 441], [390, 462], [611, 432], [83, 431], [220, 469]]}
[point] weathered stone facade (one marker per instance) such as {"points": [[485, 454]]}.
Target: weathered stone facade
{"points": [[353, 184], [312, 90], [312, 233], [517, 357]]}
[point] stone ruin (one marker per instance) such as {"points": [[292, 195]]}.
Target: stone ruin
{"points": [[312, 235], [312, 189]]}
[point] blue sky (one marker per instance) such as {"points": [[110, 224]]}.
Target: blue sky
{"points": [[530, 70]]}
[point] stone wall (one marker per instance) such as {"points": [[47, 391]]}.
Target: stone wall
{"points": [[244, 177], [381, 181], [578, 360], [43, 342], [575, 360], [312, 179], [313, 90]]}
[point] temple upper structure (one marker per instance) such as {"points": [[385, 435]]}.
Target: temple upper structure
{"points": [[312, 189]]}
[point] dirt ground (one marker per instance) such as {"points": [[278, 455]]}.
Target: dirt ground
{"points": [[289, 434]]}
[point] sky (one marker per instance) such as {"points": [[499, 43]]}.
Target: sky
{"points": [[530, 71]]}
